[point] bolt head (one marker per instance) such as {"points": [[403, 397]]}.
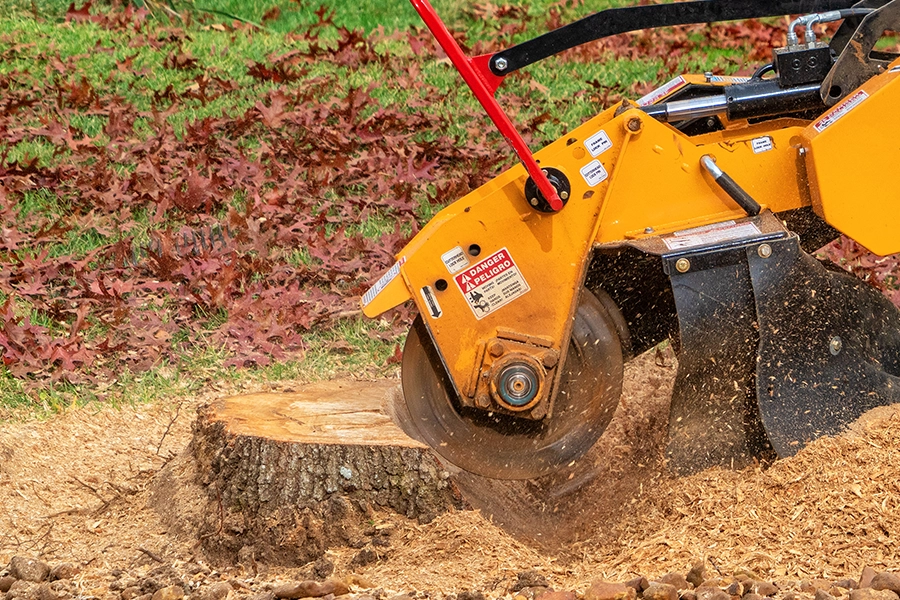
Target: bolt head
{"points": [[649, 230], [564, 195], [682, 265], [500, 64], [764, 251], [533, 201], [550, 358], [634, 124], [835, 345]]}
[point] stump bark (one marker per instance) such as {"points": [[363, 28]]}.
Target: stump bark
{"points": [[283, 477]]}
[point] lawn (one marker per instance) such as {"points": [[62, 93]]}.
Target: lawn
{"points": [[198, 191]]}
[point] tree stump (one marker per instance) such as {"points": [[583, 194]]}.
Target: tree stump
{"points": [[283, 477]]}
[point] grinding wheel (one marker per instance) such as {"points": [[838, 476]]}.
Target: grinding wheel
{"points": [[501, 446]]}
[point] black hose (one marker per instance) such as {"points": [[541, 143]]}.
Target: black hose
{"points": [[763, 70], [855, 12]]}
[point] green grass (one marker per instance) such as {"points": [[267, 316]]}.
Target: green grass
{"points": [[33, 36], [76, 243], [346, 350]]}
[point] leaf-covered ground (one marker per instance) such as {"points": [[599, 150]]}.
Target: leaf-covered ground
{"points": [[174, 186]]}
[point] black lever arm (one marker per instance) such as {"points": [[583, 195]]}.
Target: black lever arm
{"points": [[622, 20]]}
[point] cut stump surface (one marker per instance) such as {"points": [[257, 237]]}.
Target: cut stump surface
{"points": [[284, 476]]}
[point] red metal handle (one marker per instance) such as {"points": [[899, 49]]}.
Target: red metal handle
{"points": [[483, 83]]}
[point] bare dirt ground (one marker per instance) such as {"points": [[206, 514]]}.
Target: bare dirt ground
{"points": [[75, 488]]}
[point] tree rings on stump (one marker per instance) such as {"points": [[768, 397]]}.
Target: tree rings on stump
{"points": [[281, 477]]}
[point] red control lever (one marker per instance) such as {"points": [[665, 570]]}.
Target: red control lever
{"points": [[483, 83]]}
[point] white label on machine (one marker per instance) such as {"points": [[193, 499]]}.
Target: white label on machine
{"points": [[491, 283], [434, 309], [383, 282], [598, 143], [594, 173], [455, 260], [710, 234], [762, 144], [727, 79], [840, 111], [662, 91]]}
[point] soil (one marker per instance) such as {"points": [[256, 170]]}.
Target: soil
{"points": [[77, 488]]}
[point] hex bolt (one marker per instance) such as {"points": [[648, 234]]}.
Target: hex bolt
{"points": [[500, 64], [564, 195], [497, 348], [634, 124], [682, 265], [533, 201], [550, 358], [764, 251], [835, 345]]}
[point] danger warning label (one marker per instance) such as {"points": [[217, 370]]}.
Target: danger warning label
{"points": [[840, 111], [491, 283]]}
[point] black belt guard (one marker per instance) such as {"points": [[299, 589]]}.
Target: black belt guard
{"points": [[776, 351]]}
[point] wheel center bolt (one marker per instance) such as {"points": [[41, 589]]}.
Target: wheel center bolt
{"points": [[518, 384]]}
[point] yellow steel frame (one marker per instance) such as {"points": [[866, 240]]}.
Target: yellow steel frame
{"points": [[654, 184]]}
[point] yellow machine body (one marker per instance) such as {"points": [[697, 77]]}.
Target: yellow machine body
{"points": [[850, 158], [632, 178]]}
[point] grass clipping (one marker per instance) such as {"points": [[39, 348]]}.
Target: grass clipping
{"points": [[827, 512]]}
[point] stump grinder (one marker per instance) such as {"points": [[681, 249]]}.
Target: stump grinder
{"points": [[689, 215]]}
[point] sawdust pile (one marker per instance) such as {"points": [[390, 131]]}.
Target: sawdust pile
{"points": [[74, 488], [825, 513], [828, 511]]}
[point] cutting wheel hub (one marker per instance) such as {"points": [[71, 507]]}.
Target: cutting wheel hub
{"points": [[509, 443], [517, 385]]}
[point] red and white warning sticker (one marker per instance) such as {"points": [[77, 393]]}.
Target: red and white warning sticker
{"points": [[663, 91], [383, 282], [710, 234], [840, 111], [494, 282]]}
